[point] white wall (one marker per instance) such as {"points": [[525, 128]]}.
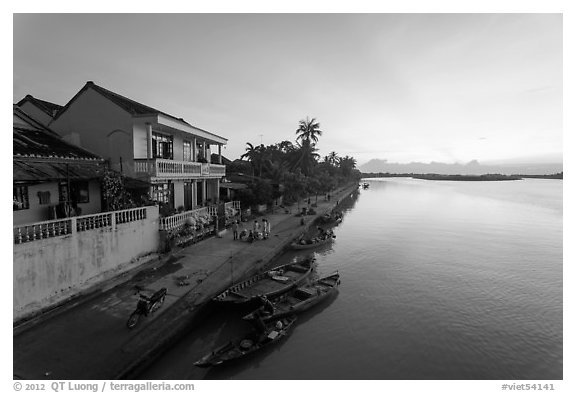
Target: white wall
{"points": [[38, 212], [51, 270]]}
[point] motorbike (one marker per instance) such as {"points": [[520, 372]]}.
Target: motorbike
{"points": [[145, 306]]}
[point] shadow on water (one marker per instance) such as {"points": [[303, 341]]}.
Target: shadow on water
{"points": [[238, 366]]}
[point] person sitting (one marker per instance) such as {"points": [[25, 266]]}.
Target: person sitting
{"points": [[243, 234]]}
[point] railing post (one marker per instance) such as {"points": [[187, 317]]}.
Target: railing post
{"points": [[73, 223], [113, 221]]}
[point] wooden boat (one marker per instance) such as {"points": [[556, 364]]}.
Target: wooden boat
{"points": [[302, 244], [272, 332], [270, 283], [297, 300], [334, 218]]}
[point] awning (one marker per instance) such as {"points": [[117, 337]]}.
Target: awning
{"points": [[45, 171], [233, 186]]}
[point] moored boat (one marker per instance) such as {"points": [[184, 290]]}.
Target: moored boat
{"points": [[272, 332], [297, 300], [333, 218], [270, 283], [302, 244]]}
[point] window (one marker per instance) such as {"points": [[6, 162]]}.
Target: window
{"points": [[20, 201], [44, 197], [79, 192], [162, 192], [162, 146], [187, 151]]}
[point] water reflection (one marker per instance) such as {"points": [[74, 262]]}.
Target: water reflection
{"points": [[439, 281]]}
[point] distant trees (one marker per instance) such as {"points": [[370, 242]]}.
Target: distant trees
{"points": [[296, 167]]}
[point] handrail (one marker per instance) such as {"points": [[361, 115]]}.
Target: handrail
{"points": [[60, 227], [161, 167]]}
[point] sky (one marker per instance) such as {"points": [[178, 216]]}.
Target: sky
{"points": [[402, 87]]}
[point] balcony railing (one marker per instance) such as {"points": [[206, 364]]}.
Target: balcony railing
{"points": [[232, 210], [171, 169], [67, 226]]}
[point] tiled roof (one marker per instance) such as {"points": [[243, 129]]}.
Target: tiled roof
{"points": [[48, 107], [32, 140], [42, 171], [130, 106]]}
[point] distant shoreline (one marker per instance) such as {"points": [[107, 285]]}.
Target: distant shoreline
{"points": [[486, 177]]}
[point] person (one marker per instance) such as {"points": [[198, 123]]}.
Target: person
{"points": [[235, 229], [264, 234], [256, 227], [243, 234], [250, 237], [268, 306], [266, 228]]}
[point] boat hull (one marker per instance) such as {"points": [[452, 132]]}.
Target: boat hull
{"points": [[297, 300], [248, 344], [271, 283]]}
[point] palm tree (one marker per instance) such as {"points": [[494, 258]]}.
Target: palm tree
{"points": [[347, 165], [333, 158], [255, 156], [305, 158], [308, 130]]}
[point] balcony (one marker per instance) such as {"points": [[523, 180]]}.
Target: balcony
{"points": [[171, 169]]}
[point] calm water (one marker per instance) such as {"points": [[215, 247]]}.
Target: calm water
{"points": [[440, 280]]}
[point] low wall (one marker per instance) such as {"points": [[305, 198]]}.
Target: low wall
{"points": [[50, 270]]}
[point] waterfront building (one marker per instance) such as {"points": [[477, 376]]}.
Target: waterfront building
{"points": [[139, 141], [51, 177]]}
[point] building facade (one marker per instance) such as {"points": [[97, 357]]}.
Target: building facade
{"points": [[51, 178], [147, 144]]}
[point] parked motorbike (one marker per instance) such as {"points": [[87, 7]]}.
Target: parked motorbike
{"points": [[145, 306]]}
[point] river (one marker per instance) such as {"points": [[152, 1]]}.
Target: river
{"points": [[440, 280]]}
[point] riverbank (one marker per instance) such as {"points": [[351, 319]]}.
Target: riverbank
{"points": [[90, 339]]}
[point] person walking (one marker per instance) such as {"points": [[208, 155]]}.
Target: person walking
{"points": [[235, 229], [256, 228], [264, 229]]}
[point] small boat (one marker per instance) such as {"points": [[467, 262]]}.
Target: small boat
{"points": [[334, 218], [270, 283], [365, 185], [302, 244], [297, 300], [272, 332]]}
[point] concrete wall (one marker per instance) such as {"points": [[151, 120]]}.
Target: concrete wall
{"points": [[100, 126], [52, 270]]}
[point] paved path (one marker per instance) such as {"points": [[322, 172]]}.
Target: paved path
{"points": [[89, 339]]}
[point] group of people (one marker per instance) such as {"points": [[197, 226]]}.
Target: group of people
{"points": [[259, 231]]}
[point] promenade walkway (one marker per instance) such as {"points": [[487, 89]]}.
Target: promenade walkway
{"points": [[88, 338]]}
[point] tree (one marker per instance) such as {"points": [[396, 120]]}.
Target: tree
{"points": [[305, 158], [255, 156], [347, 165], [333, 158], [308, 130]]}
